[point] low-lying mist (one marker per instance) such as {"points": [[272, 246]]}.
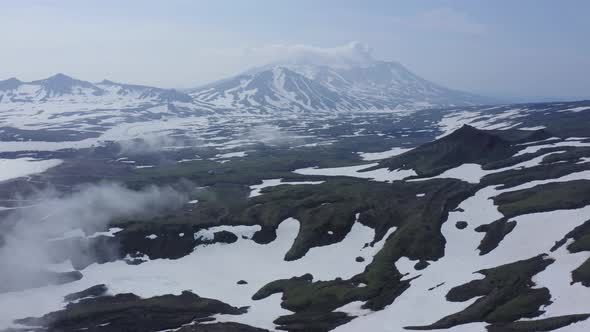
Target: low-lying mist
{"points": [[273, 135], [26, 233], [155, 144]]}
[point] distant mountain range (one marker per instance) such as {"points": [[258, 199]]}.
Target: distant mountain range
{"points": [[297, 86], [61, 87]]}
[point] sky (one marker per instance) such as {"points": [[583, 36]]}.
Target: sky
{"points": [[525, 49]]}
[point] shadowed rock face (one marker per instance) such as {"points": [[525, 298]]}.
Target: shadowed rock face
{"points": [[128, 312], [451, 151], [93, 291]]}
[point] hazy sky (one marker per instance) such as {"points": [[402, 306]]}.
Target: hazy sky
{"points": [[528, 48]]}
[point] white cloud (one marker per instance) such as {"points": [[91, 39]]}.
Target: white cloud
{"points": [[353, 52], [24, 232]]}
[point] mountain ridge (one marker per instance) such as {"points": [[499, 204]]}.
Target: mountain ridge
{"points": [[304, 84], [376, 85], [61, 85]]}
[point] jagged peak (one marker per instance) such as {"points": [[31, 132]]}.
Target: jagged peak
{"points": [[475, 137], [107, 82], [62, 79], [11, 80], [469, 130], [59, 77], [10, 84]]}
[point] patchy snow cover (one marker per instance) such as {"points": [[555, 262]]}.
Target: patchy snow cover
{"points": [[381, 174], [232, 155], [15, 168], [240, 231], [354, 309], [110, 233], [541, 141], [371, 156], [535, 148], [488, 119], [13, 146], [567, 298], [461, 260], [473, 173], [255, 189], [212, 271], [532, 128], [480, 119], [576, 109]]}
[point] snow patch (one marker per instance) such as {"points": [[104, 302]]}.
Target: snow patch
{"points": [[16, 168]]}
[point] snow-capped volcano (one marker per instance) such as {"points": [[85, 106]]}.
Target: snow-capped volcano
{"points": [[308, 81], [303, 79], [276, 88]]}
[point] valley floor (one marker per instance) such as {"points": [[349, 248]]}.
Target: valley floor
{"points": [[467, 219]]}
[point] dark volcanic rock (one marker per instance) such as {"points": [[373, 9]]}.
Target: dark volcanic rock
{"points": [[495, 233], [547, 324], [465, 145], [135, 261], [506, 294], [94, 291], [102, 249], [544, 197], [224, 237], [220, 327], [359, 259], [581, 242], [581, 237], [421, 265], [280, 285], [312, 322], [461, 224], [128, 312], [582, 274]]}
